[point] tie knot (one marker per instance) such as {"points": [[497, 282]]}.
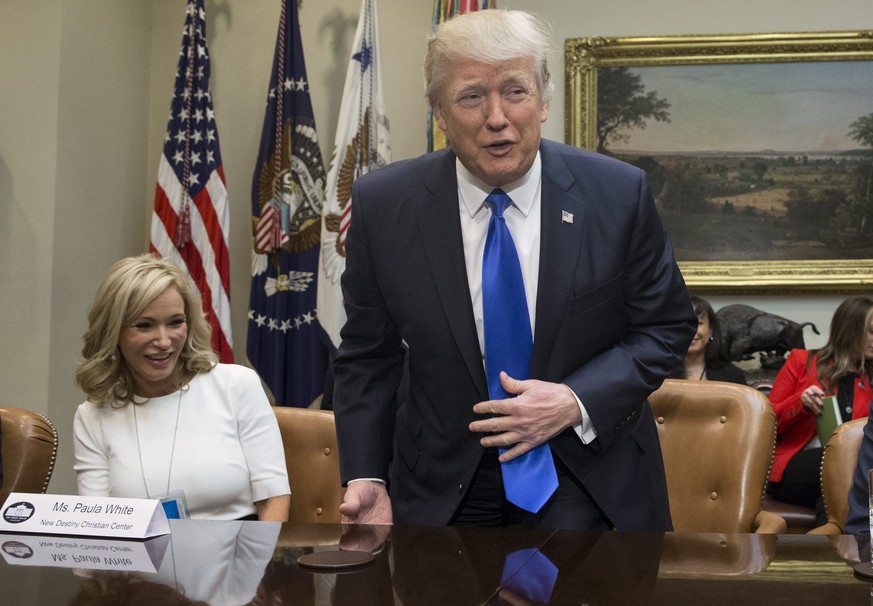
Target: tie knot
{"points": [[497, 201]]}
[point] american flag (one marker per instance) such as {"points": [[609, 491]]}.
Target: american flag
{"points": [[285, 344], [190, 222]]}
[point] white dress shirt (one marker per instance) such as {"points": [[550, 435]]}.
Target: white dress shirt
{"points": [[523, 220]]}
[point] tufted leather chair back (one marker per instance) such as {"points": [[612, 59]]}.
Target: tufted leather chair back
{"points": [[30, 446], [837, 474], [717, 440], [309, 437]]}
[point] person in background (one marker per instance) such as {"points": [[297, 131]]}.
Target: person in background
{"points": [[602, 312], [858, 519], [705, 359], [842, 368], [163, 419]]}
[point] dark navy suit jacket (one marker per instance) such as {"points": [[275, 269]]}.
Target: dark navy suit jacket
{"points": [[613, 318], [858, 520]]}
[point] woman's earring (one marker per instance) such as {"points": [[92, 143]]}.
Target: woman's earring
{"points": [[711, 339]]}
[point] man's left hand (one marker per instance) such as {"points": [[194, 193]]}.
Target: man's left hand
{"points": [[539, 411]]}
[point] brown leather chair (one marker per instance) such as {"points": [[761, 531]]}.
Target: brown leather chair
{"points": [[837, 472], [309, 437], [30, 446], [718, 441]]}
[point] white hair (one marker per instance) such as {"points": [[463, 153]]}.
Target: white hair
{"points": [[491, 36]]}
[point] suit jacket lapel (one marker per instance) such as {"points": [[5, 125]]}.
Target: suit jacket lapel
{"points": [[439, 224], [559, 252], [440, 229]]}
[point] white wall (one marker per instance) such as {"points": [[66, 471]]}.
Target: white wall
{"points": [[83, 106], [28, 161], [74, 107]]}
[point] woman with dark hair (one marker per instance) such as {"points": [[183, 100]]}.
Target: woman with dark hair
{"points": [[841, 368], [705, 359]]}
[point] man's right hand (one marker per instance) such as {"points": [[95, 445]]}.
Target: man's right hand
{"points": [[366, 502]]}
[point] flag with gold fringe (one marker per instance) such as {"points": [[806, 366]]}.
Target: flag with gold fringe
{"points": [[361, 145], [190, 222], [284, 342]]}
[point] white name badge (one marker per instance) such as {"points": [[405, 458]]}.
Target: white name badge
{"points": [[84, 516], [90, 554]]}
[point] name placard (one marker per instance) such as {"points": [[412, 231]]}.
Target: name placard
{"points": [[79, 515], [78, 552]]}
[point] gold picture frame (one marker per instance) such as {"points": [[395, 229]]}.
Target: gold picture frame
{"points": [[585, 58]]}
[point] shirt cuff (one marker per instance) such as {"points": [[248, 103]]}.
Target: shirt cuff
{"points": [[585, 430], [381, 481]]}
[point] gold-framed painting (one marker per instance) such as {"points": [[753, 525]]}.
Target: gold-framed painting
{"points": [[758, 149]]}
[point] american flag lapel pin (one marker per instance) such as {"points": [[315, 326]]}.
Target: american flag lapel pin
{"points": [[566, 217]]}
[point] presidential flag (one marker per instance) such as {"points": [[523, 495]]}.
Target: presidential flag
{"points": [[190, 221], [361, 145], [442, 10], [284, 340]]}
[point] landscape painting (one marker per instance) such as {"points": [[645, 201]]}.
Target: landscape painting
{"points": [[759, 152]]}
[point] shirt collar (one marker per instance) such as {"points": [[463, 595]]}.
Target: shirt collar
{"points": [[523, 192]]}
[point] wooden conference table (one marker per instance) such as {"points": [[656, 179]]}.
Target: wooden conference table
{"points": [[222, 563]]}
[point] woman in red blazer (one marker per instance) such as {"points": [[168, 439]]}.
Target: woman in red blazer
{"points": [[842, 368]]}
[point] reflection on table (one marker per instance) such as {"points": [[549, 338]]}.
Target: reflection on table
{"points": [[256, 563]]}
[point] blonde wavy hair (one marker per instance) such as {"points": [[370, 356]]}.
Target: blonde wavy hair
{"points": [[129, 287], [844, 351]]}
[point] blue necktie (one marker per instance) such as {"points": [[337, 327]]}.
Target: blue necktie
{"points": [[530, 574], [528, 480]]}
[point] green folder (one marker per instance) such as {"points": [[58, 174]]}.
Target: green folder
{"points": [[828, 420]]}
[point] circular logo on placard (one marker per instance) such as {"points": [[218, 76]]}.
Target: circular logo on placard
{"points": [[17, 549], [18, 512]]}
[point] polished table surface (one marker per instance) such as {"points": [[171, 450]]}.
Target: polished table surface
{"points": [[224, 563]]}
